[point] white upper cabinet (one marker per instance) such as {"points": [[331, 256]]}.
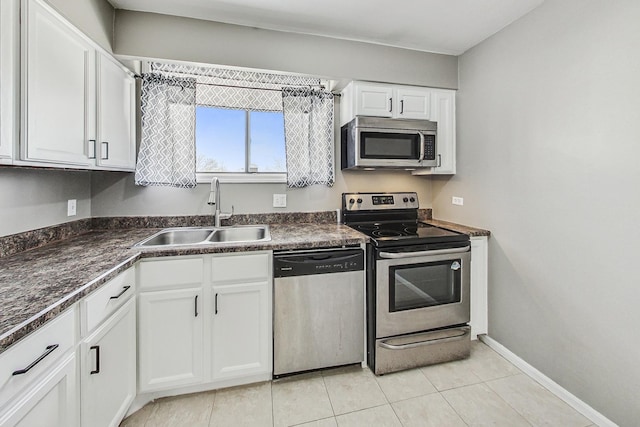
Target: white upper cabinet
{"points": [[443, 111], [373, 100], [78, 103], [384, 100], [9, 70], [407, 102], [413, 103], [58, 70], [115, 142]]}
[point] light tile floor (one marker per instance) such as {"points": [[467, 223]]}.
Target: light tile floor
{"points": [[484, 389]]}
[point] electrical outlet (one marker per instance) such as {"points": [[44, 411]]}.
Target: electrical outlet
{"points": [[279, 200], [457, 201], [71, 207]]}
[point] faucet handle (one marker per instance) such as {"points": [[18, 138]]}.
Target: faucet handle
{"points": [[227, 215]]}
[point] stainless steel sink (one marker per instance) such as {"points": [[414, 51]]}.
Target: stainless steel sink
{"points": [[191, 236], [240, 234]]}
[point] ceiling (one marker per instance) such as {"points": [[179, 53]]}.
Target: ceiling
{"points": [[441, 26]]}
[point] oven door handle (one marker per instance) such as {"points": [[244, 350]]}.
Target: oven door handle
{"points": [[394, 255], [425, 342]]}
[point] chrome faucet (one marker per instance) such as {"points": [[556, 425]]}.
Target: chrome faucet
{"points": [[214, 199]]}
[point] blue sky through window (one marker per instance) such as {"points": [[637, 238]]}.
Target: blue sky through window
{"points": [[221, 135]]}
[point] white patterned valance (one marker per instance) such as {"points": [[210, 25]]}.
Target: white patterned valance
{"points": [[308, 127], [167, 146]]}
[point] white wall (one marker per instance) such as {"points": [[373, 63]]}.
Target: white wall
{"points": [[548, 149], [151, 35], [35, 198], [93, 17]]}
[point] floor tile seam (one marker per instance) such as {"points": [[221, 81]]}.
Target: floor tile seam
{"points": [[453, 408], [273, 414], [414, 397], [326, 390], [213, 405], [396, 414], [366, 409], [507, 403]]}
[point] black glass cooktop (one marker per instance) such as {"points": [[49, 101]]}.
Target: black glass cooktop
{"points": [[407, 232]]}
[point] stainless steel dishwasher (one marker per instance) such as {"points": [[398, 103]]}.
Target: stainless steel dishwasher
{"points": [[318, 309]]}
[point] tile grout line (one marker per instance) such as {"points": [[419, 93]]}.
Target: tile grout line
{"points": [[215, 397]]}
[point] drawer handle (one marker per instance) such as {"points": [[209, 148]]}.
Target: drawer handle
{"points": [[124, 289], [195, 306], [97, 349], [49, 350], [216, 305]]}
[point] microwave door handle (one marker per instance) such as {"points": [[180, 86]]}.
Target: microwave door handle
{"points": [[393, 255], [421, 146]]}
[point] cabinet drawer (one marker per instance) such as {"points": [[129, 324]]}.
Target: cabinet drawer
{"points": [[241, 267], [171, 272], [35, 354], [106, 300]]}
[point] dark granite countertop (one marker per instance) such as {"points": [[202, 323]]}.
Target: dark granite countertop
{"points": [[39, 280], [38, 284]]}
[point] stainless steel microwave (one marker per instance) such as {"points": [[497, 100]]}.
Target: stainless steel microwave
{"points": [[376, 142]]}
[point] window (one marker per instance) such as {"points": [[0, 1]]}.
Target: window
{"points": [[239, 141]]}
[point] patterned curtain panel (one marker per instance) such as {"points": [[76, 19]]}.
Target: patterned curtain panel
{"points": [[308, 134], [167, 148]]}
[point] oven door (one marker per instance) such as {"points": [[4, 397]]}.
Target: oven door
{"points": [[418, 291]]}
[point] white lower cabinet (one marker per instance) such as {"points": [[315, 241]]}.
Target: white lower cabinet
{"points": [[170, 339], [108, 369], [51, 402], [479, 285], [240, 333], [204, 320]]}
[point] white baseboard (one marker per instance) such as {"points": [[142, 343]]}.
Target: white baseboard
{"points": [[555, 388]]}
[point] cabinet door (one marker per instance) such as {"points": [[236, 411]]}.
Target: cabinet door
{"points": [[116, 121], [58, 67], [444, 110], [171, 339], [241, 330], [108, 369], [413, 104], [50, 403], [374, 100], [9, 68]]}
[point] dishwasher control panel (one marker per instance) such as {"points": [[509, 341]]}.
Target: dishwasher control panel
{"points": [[317, 262]]}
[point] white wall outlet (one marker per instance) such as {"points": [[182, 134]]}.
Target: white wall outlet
{"points": [[71, 207], [279, 200], [457, 201]]}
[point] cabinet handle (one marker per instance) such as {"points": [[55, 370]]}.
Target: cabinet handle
{"points": [[106, 157], [216, 305], [94, 148], [401, 106], [48, 350], [195, 305], [97, 349], [439, 160], [124, 289], [390, 104]]}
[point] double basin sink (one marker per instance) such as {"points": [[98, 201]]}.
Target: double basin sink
{"points": [[192, 236]]}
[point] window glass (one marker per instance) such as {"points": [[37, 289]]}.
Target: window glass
{"points": [[222, 135], [267, 141]]}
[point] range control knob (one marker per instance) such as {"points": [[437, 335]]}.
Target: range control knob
{"points": [[405, 199], [352, 201], [413, 199], [359, 200]]}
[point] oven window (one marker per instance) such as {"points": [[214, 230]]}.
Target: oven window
{"points": [[379, 145], [424, 285]]}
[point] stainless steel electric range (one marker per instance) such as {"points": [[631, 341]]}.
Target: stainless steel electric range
{"points": [[418, 280]]}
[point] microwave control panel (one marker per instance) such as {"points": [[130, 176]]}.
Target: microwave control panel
{"points": [[429, 147]]}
